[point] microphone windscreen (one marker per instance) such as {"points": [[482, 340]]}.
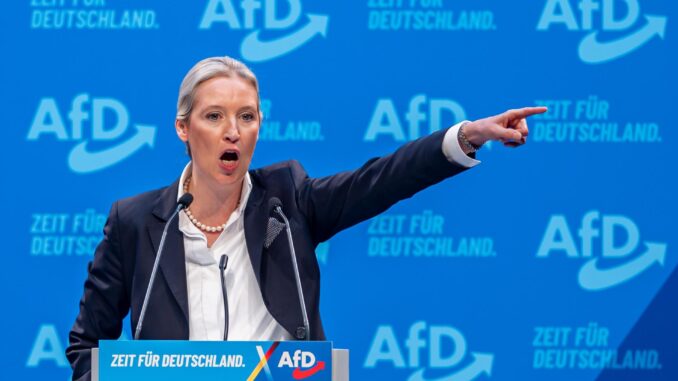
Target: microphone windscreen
{"points": [[273, 228], [185, 200], [273, 203]]}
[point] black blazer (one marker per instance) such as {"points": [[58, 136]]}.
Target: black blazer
{"points": [[317, 209]]}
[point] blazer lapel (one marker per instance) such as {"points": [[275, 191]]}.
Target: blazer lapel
{"points": [[255, 226], [172, 263]]}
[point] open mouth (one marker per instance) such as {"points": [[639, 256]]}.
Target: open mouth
{"points": [[229, 159], [229, 156]]}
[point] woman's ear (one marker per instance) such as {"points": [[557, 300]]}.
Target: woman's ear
{"points": [[182, 130]]}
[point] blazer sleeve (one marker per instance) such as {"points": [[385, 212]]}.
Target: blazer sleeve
{"points": [[104, 303], [337, 202]]}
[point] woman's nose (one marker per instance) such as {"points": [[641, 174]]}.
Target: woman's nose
{"points": [[231, 132]]}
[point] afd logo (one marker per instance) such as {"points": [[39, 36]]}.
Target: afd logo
{"points": [[618, 17], [258, 15], [386, 348], [422, 114], [95, 112], [613, 248], [302, 363]]}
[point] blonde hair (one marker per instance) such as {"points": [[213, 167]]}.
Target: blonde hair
{"points": [[208, 69]]}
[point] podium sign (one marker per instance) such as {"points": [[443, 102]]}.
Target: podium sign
{"points": [[168, 360]]}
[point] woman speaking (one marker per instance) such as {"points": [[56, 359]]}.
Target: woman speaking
{"points": [[225, 272]]}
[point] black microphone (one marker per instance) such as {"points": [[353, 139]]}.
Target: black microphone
{"points": [[184, 202], [222, 268], [275, 205]]}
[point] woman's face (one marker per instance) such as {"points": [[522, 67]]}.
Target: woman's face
{"points": [[222, 129]]}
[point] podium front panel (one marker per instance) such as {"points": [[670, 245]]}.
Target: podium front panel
{"points": [[214, 360]]}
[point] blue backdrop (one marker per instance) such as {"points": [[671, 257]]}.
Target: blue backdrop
{"points": [[552, 261]]}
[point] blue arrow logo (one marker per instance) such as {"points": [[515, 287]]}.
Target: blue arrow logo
{"points": [[255, 50], [594, 52], [82, 161], [593, 279], [482, 363]]}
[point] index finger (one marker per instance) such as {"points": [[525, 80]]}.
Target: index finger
{"points": [[526, 111]]}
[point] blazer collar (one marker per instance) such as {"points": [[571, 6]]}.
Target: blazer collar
{"points": [[172, 263], [167, 202], [255, 224]]}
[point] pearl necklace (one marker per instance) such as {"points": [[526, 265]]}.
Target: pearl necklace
{"points": [[198, 224]]}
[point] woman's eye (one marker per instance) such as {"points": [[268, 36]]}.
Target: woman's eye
{"points": [[248, 117], [213, 116]]}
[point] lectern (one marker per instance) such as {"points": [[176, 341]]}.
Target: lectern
{"points": [[169, 360]]}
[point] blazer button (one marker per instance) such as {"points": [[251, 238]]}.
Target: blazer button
{"points": [[301, 333]]}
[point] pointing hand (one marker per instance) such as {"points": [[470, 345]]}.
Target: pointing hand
{"points": [[509, 127]]}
